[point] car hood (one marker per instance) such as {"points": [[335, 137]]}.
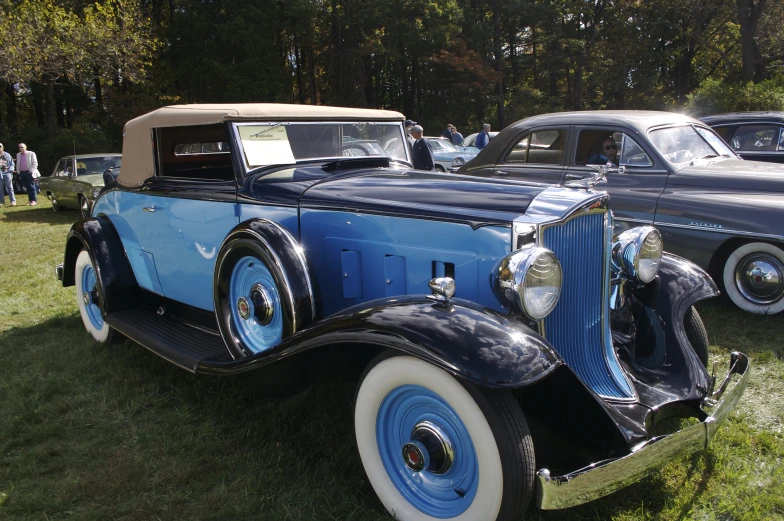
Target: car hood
{"points": [[732, 174], [417, 194]]}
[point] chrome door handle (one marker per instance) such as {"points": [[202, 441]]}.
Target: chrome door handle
{"points": [[576, 176], [149, 208], [501, 172]]}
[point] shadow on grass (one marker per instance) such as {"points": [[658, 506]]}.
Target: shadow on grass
{"points": [[731, 329], [40, 215]]}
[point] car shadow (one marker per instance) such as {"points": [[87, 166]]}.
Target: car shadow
{"points": [[40, 214]]}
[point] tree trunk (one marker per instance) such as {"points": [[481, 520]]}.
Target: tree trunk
{"points": [[50, 109], [748, 15], [10, 109], [312, 74], [499, 64]]}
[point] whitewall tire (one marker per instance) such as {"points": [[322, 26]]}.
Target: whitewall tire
{"points": [[408, 410], [88, 297], [753, 278]]}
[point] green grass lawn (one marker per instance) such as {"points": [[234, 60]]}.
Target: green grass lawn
{"points": [[97, 433]]}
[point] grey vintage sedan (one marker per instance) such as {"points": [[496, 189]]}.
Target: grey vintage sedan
{"points": [[758, 136], [665, 169]]}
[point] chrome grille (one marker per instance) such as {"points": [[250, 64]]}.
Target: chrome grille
{"points": [[579, 326]]}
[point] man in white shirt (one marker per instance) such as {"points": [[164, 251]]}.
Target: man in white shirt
{"points": [[6, 176], [27, 167]]}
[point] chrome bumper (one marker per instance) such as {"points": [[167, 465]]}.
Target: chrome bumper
{"points": [[600, 479], [58, 271]]}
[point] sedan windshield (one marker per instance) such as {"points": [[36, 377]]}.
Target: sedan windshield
{"points": [[686, 143], [442, 145], [266, 144]]}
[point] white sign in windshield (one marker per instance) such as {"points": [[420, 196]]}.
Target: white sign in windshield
{"points": [[266, 145]]}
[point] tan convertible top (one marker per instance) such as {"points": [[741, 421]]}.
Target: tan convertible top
{"points": [[138, 164]]}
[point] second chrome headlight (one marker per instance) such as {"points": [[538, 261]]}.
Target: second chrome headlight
{"points": [[638, 252], [529, 279]]}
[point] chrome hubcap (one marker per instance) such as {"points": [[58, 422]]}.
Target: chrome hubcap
{"points": [[760, 278], [86, 298], [262, 304], [429, 449]]}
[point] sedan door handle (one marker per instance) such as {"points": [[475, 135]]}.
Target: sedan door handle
{"points": [[149, 208], [500, 172]]}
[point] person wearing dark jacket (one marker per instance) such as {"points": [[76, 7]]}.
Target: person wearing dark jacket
{"points": [[421, 151]]}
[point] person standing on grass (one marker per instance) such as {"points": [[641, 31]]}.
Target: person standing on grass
{"points": [[6, 176], [27, 168]]}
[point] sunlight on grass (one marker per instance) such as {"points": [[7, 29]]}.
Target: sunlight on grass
{"points": [[95, 432]]}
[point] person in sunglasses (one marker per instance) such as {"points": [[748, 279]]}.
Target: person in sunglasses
{"points": [[605, 151]]}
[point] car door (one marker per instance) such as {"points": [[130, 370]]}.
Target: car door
{"points": [[633, 193], [55, 183], [68, 191], [184, 214], [758, 141], [536, 156]]}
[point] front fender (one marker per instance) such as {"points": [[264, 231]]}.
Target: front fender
{"points": [[679, 285], [471, 342], [98, 236]]}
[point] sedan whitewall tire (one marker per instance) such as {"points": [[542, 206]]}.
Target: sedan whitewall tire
{"points": [[753, 278]]}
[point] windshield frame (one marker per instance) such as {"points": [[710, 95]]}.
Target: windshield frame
{"points": [[242, 160], [678, 165]]}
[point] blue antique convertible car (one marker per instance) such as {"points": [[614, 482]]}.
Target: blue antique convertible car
{"points": [[510, 349]]}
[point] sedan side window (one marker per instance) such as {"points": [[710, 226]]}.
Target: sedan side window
{"points": [[754, 138], [545, 147], [61, 167], [632, 153], [596, 147]]}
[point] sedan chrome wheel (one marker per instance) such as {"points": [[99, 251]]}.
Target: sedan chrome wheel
{"points": [[754, 278]]}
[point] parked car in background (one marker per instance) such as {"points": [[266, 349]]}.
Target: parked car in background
{"points": [[469, 143], [468, 304], [77, 180], [448, 157], [758, 136], [724, 214]]}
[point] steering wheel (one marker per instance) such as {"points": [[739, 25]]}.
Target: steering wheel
{"points": [[353, 150]]}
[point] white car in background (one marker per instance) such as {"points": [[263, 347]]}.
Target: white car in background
{"points": [[448, 157]]}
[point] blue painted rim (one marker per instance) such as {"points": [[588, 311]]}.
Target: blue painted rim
{"points": [[248, 272], [89, 282], [438, 495]]}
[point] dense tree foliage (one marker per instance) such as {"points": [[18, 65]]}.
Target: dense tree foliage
{"points": [[74, 71]]}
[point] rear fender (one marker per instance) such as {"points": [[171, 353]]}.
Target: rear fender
{"points": [[468, 341], [98, 236]]}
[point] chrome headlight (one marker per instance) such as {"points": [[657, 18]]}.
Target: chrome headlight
{"points": [[638, 252], [529, 280], [458, 162], [97, 191]]}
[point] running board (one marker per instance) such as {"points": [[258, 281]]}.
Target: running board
{"points": [[180, 344]]}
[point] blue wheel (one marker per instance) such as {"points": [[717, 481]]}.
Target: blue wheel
{"points": [[88, 298], [257, 314], [262, 288], [436, 448]]}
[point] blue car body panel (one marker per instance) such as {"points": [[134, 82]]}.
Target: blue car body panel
{"points": [[361, 257]]}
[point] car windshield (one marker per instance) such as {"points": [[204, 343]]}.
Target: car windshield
{"points": [[684, 144], [91, 165], [442, 145], [266, 144]]}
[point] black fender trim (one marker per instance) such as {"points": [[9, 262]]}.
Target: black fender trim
{"points": [[98, 236], [679, 285], [468, 341]]}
